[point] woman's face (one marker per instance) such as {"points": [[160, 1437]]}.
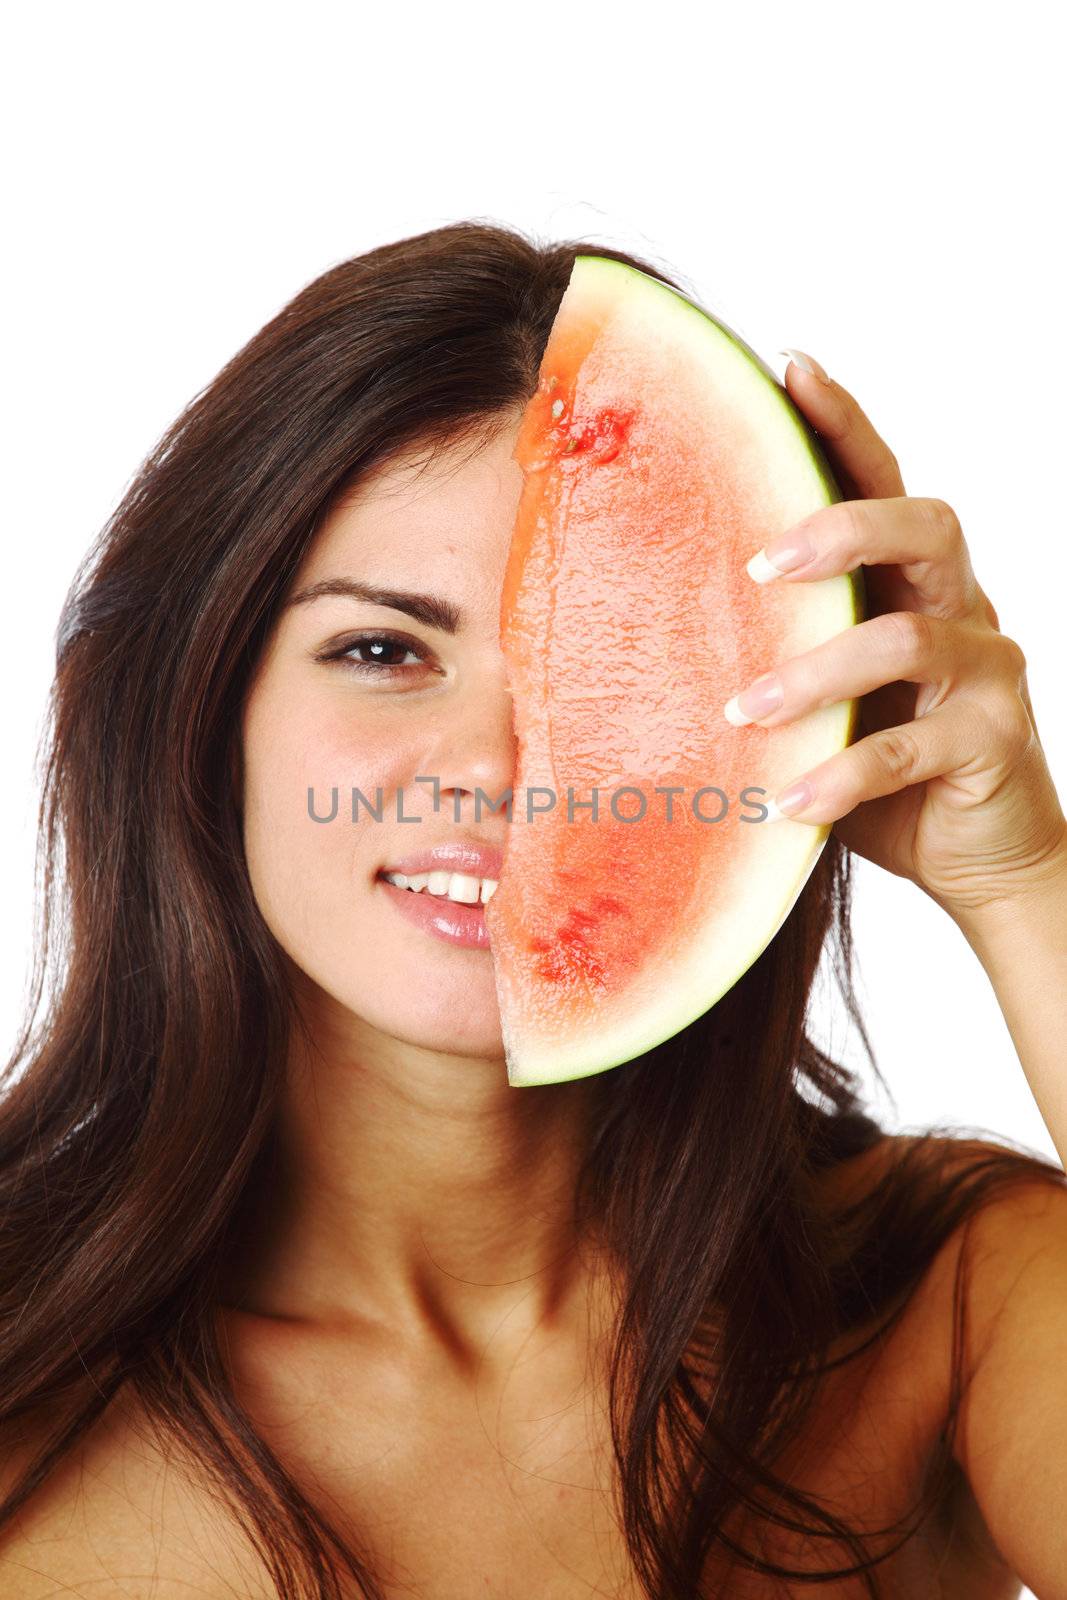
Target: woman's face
{"points": [[436, 706]]}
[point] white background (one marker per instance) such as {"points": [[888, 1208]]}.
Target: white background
{"points": [[880, 185]]}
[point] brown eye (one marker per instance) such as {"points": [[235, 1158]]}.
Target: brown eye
{"points": [[382, 654]]}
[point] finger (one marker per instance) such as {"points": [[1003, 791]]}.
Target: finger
{"points": [[974, 741], [923, 537], [858, 454], [897, 647]]}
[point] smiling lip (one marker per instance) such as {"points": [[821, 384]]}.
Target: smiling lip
{"points": [[478, 860], [456, 924]]}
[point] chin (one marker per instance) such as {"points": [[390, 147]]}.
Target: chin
{"points": [[475, 1034], [417, 1011]]}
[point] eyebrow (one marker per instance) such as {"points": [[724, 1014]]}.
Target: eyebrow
{"points": [[430, 609]]}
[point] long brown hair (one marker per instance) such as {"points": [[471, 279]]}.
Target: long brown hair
{"points": [[139, 1102]]}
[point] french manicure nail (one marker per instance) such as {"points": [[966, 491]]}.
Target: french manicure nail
{"points": [[761, 697], [774, 558], [796, 798], [808, 363]]}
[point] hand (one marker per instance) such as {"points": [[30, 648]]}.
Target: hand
{"points": [[945, 782]]}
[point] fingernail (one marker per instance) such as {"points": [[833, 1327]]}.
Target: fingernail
{"points": [[796, 798], [778, 557], [761, 697], [807, 362]]}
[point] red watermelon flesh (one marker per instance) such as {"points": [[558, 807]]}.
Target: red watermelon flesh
{"points": [[659, 453]]}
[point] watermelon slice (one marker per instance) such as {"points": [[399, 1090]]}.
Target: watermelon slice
{"points": [[659, 453]]}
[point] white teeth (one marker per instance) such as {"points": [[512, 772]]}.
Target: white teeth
{"points": [[461, 887], [464, 888]]}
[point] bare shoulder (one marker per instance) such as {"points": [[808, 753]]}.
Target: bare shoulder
{"points": [[859, 1174], [1011, 1440], [1004, 1237], [120, 1516], [1010, 1436]]}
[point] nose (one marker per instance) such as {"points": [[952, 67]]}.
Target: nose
{"points": [[475, 753]]}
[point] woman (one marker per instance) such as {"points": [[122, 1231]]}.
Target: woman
{"points": [[299, 1297]]}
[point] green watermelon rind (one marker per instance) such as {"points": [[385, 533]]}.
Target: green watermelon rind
{"points": [[525, 1066]]}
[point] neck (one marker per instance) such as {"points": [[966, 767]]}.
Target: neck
{"points": [[420, 1193]]}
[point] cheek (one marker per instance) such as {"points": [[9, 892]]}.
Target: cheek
{"points": [[315, 884], [308, 874]]}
